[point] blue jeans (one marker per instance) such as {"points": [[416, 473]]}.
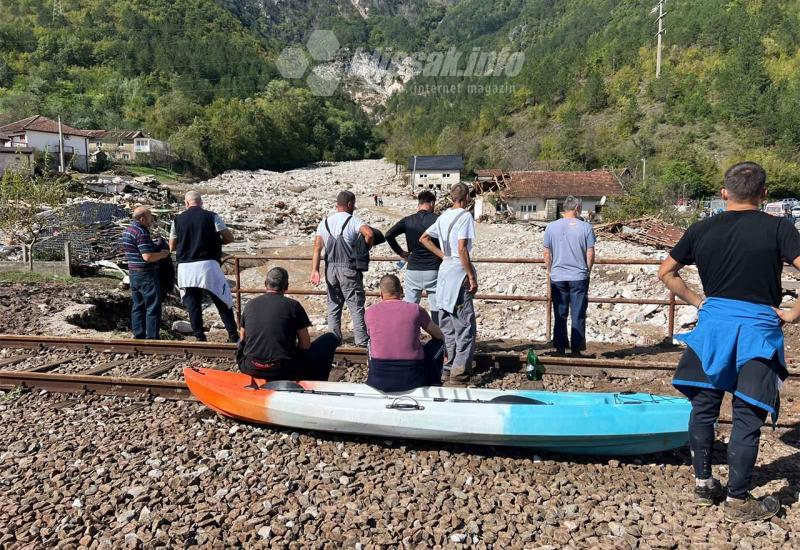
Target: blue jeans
{"points": [[570, 296], [145, 304]]}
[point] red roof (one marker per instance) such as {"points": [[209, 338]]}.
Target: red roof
{"points": [[551, 185], [39, 123]]}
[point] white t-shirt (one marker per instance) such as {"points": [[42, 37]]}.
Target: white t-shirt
{"points": [[464, 228], [335, 222]]}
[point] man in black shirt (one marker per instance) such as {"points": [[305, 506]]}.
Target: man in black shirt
{"points": [[275, 344], [423, 265], [737, 346]]}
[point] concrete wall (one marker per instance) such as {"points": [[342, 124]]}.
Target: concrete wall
{"points": [[515, 206], [10, 158], [45, 268], [435, 180]]}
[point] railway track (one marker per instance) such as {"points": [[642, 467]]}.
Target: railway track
{"points": [[138, 368]]}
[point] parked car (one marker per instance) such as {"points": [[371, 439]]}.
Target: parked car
{"points": [[796, 212]]}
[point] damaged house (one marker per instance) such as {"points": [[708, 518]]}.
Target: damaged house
{"points": [[435, 172], [539, 195]]}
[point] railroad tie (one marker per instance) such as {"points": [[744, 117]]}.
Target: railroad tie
{"points": [[11, 361], [158, 370], [52, 364], [105, 367]]}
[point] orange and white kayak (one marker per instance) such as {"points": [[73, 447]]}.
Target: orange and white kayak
{"points": [[579, 423]]}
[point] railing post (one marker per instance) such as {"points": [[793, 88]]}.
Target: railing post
{"points": [[549, 306], [671, 316], [238, 290]]}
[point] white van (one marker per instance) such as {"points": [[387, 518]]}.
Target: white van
{"points": [[775, 208]]}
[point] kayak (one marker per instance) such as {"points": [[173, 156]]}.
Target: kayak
{"points": [[565, 422]]}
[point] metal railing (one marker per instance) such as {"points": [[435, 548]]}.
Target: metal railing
{"points": [[671, 302]]}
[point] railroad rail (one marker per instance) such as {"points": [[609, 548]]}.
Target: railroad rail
{"points": [[147, 383]]}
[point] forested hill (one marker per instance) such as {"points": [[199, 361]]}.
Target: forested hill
{"points": [[587, 94], [202, 74], [185, 70]]}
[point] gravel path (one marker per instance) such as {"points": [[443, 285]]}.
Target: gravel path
{"points": [[104, 472]]}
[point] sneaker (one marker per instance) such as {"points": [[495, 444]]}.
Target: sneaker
{"points": [[708, 496], [750, 509]]}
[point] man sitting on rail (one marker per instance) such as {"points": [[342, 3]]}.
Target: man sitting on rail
{"points": [[275, 341], [737, 346], [397, 359]]}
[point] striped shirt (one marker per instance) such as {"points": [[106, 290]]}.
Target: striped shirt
{"points": [[136, 241]]}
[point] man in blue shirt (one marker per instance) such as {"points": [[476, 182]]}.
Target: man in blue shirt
{"points": [[569, 257], [143, 255]]}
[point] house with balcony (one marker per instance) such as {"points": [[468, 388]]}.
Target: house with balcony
{"points": [[128, 146], [40, 134]]}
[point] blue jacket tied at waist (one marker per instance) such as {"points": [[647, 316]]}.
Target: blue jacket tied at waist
{"points": [[730, 333]]}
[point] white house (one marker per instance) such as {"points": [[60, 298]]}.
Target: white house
{"points": [[436, 173], [41, 134], [540, 194], [127, 145]]}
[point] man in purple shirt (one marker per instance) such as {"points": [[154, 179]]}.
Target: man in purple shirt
{"points": [[397, 359], [143, 256]]}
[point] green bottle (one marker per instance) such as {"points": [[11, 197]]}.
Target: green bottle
{"points": [[534, 370]]}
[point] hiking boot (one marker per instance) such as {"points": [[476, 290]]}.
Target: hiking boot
{"points": [[445, 376], [708, 496], [750, 509], [459, 378]]}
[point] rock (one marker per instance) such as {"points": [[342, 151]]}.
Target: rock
{"points": [[458, 538], [223, 454], [265, 533], [182, 327]]}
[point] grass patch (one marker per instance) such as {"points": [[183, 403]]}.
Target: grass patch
{"points": [[162, 174], [33, 277]]}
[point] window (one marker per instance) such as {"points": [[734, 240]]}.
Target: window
{"points": [[445, 175], [527, 208]]}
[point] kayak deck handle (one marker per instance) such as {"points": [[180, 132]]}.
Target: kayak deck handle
{"points": [[405, 404]]}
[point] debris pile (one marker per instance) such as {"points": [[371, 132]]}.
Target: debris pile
{"points": [[142, 189], [93, 227], [646, 231]]}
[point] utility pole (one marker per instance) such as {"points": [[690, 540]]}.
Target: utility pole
{"points": [[644, 170], [661, 30], [60, 147]]}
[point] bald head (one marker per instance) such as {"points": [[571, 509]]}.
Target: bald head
{"points": [[192, 198], [143, 215], [391, 288]]}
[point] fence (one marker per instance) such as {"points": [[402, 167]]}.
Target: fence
{"points": [[671, 302]]}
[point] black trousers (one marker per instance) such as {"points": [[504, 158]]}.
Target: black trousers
{"points": [[743, 444], [396, 375], [313, 363], [193, 300]]}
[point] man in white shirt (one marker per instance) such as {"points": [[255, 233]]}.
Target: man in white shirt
{"points": [[456, 285], [336, 235]]}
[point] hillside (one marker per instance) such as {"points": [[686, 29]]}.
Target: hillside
{"points": [[202, 73], [185, 70]]}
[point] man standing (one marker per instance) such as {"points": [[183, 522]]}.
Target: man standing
{"points": [[423, 265], [456, 285], [275, 340], [336, 235], [737, 346], [569, 257], [143, 256], [397, 359], [197, 235]]}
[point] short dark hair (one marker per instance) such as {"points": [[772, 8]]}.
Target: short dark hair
{"points": [[277, 279], [390, 284], [459, 192], [745, 181], [426, 197], [344, 198]]}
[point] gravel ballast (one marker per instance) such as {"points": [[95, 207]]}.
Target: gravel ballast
{"points": [[109, 472]]}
